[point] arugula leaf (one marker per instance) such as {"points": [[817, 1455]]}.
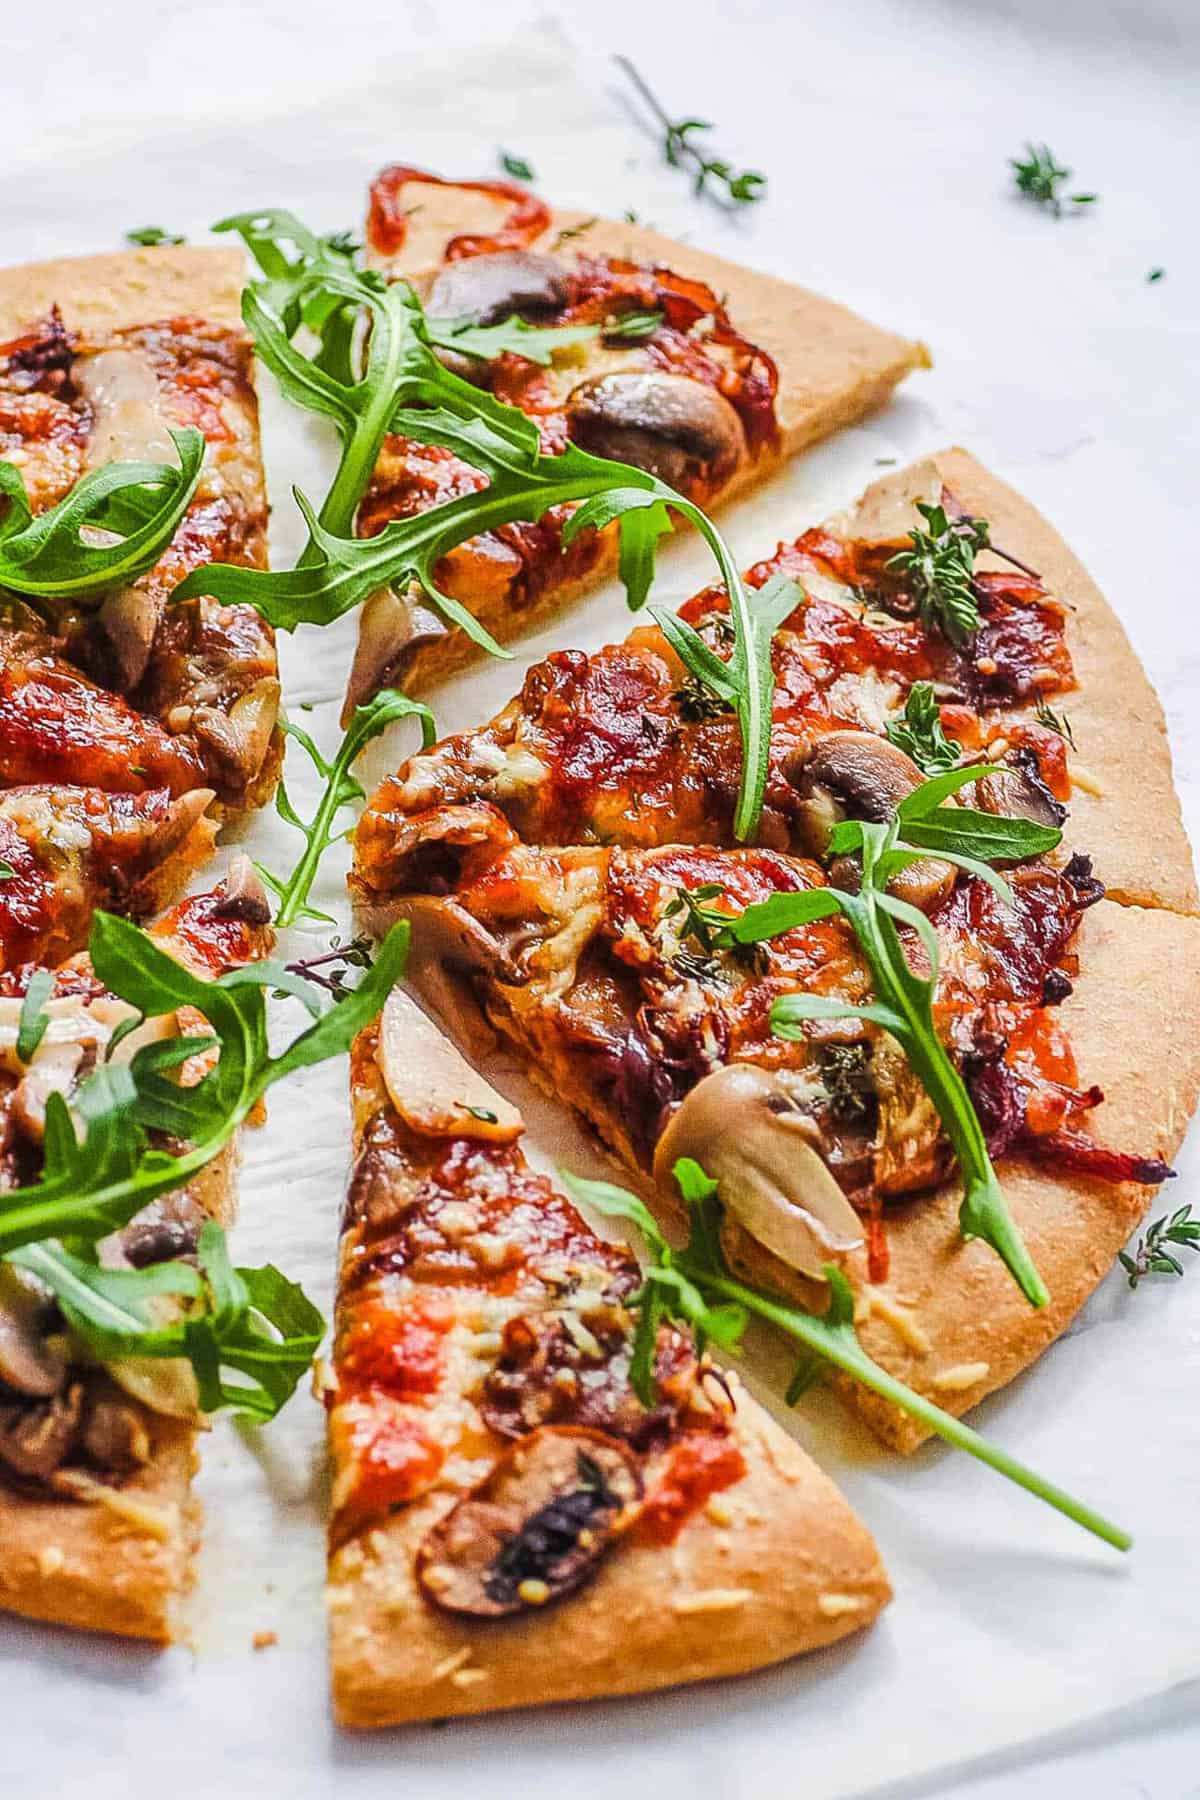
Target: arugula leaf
{"points": [[941, 568], [700, 1272], [31, 1028], [251, 1321], [513, 336], [341, 789], [7, 872], [903, 1006], [918, 732], [151, 235], [92, 1185], [633, 327], [142, 503]]}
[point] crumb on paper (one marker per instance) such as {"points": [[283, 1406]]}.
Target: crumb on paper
{"points": [[264, 1640]]}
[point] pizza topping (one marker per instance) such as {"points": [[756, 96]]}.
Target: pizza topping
{"points": [[1017, 791], [535, 1529], [435, 1091], [32, 1361], [387, 219], [37, 1436], [392, 627], [743, 1126], [679, 429], [495, 285], [449, 944], [129, 420], [701, 1464]]}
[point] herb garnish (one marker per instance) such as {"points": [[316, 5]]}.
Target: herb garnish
{"points": [[91, 1185], [918, 732], [340, 790], [1152, 1256], [1039, 177], [139, 503], [740, 188], [1156, 274], [31, 1027], [1053, 721], [569, 233], [516, 166], [941, 567], [405, 389], [356, 954], [903, 1002], [150, 235], [632, 327], [694, 1285]]}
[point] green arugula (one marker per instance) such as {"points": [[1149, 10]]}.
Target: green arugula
{"points": [[31, 1028], [918, 732], [695, 1285], [150, 235], [633, 327], [1154, 1253], [941, 568], [1039, 177], [341, 789], [405, 389], [903, 1003], [740, 188], [93, 1185], [138, 505], [252, 1321]]}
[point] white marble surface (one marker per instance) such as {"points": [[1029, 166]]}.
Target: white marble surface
{"points": [[884, 128]]}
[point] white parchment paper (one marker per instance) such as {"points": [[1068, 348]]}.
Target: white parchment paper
{"points": [[1057, 364]]}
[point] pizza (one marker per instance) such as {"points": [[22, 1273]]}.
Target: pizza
{"points": [[510, 1523], [97, 1522], [705, 374], [550, 862]]}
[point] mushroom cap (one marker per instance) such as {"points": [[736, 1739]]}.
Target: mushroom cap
{"points": [[30, 1363], [435, 1091], [743, 1128], [492, 287], [667, 424]]}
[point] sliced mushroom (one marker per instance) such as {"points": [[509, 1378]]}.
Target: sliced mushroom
{"points": [[129, 420], [392, 628], [1017, 791], [53, 1071], [31, 1363], [242, 895], [37, 1436], [169, 1227], [433, 1089], [669, 425], [857, 775], [182, 817], [240, 738], [535, 1529], [488, 288], [743, 1128], [166, 1384], [448, 943], [127, 622], [115, 1438]]}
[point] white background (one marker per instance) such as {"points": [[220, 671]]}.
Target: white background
{"points": [[884, 129]]}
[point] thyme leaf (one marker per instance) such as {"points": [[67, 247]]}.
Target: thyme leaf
{"points": [[941, 569], [918, 732], [151, 235], [1154, 1253], [1039, 176], [516, 166], [710, 174]]}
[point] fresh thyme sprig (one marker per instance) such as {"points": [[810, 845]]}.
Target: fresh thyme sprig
{"points": [[696, 918], [695, 1285], [356, 954], [918, 732], [136, 505], [1039, 177], [1054, 721], [1179, 1230], [730, 186], [941, 568], [405, 389], [903, 1002], [340, 789]]}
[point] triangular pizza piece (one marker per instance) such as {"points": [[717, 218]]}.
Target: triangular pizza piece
{"points": [[97, 1522], [520, 849], [511, 1524], [706, 373]]}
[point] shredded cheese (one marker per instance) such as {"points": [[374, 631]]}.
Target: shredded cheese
{"points": [[156, 1521], [905, 1327], [835, 1605], [711, 1600], [960, 1377]]}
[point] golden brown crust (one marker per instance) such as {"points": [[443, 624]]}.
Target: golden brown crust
{"points": [[97, 1566], [777, 1564], [125, 287], [792, 1571], [834, 368], [1127, 815]]}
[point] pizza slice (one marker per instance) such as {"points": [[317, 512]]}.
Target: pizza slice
{"points": [[106, 360], [704, 373], [97, 1522], [511, 1524], [559, 864]]}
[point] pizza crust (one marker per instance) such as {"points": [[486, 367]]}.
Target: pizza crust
{"points": [[792, 1570], [1127, 816], [834, 369], [97, 294]]}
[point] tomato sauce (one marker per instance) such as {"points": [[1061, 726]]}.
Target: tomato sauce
{"points": [[701, 1464]]}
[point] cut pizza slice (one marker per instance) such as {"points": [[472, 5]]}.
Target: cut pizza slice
{"points": [[515, 850], [108, 361], [97, 1522], [695, 369], [511, 1524]]}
